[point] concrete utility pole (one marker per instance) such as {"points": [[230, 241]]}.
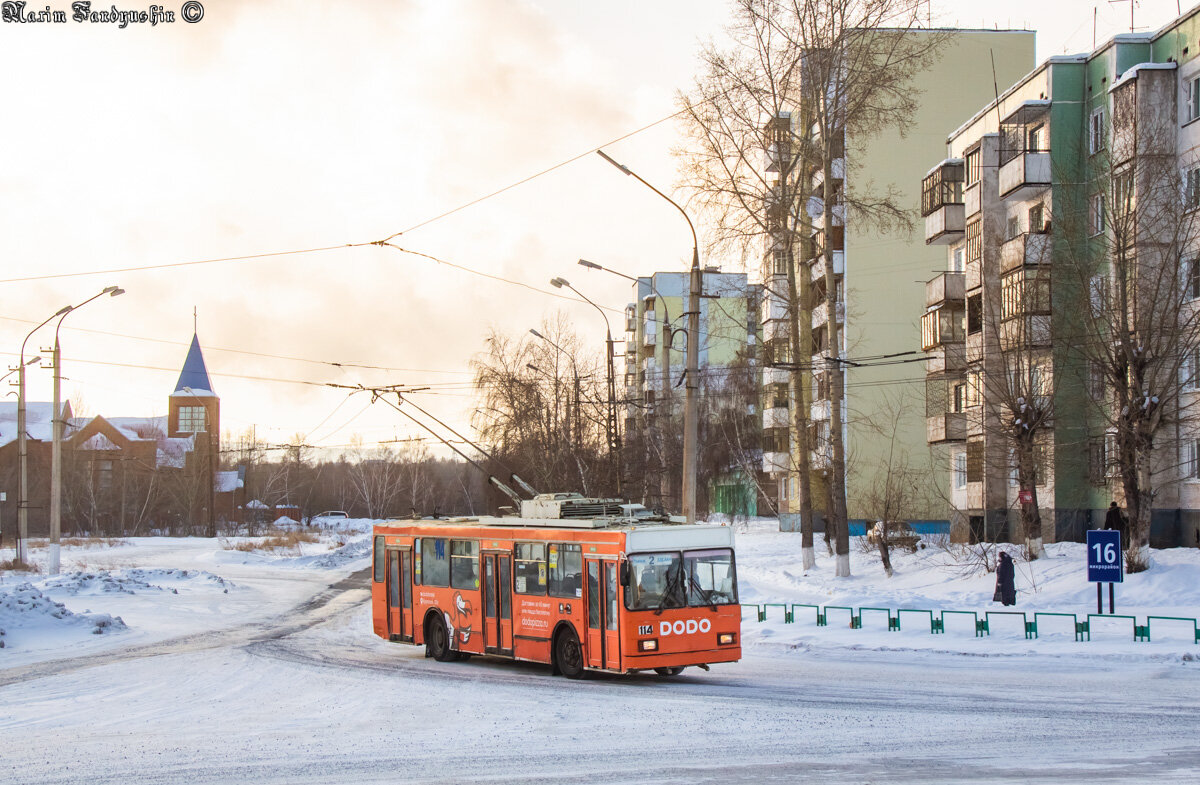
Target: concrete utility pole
{"points": [[58, 424], [691, 401], [23, 447]]}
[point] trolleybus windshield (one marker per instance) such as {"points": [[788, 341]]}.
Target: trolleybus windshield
{"points": [[677, 579]]}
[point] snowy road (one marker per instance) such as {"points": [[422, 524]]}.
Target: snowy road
{"points": [[313, 697]]}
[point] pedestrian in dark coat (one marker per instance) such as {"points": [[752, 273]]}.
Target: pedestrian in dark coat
{"points": [[1006, 586], [1114, 519]]}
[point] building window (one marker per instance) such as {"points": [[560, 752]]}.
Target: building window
{"points": [[959, 401], [957, 258], [972, 167], [1096, 131], [1191, 188], [1096, 214], [974, 314], [1037, 138], [1191, 459], [974, 241], [960, 470], [1191, 270], [192, 419], [1193, 99], [1097, 461], [1037, 218], [1189, 369], [1014, 227], [974, 388]]}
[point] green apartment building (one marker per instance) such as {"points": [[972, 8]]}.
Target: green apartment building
{"points": [[1033, 186], [879, 277]]}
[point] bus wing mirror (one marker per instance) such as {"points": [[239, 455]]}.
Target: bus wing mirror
{"points": [[625, 573]]}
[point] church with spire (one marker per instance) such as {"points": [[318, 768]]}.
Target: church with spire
{"points": [[127, 475]]}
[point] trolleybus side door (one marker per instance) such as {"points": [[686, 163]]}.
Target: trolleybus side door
{"points": [[399, 594], [497, 603], [603, 634]]}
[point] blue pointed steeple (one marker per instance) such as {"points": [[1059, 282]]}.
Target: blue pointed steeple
{"points": [[195, 374]]}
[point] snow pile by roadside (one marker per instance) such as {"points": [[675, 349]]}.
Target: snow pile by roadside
{"points": [[355, 549], [133, 581], [26, 611]]}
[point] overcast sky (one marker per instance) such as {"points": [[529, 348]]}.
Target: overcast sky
{"points": [[280, 126]]}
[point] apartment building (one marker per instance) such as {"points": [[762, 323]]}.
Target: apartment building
{"points": [[655, 359], [1031, 194], [877, 276]]}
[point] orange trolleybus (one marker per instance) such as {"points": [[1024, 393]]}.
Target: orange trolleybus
{"points": [[581, 584]]}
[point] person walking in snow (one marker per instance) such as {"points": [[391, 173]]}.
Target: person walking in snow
{"points": [[1114, 519], [1006, 586]]}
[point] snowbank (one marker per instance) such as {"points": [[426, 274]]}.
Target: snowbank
{"points": [[27, 614]]}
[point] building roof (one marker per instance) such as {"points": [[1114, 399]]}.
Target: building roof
{"points": [[193, 380]]}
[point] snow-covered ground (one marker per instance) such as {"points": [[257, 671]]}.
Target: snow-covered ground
{"points": [[184, 660]]}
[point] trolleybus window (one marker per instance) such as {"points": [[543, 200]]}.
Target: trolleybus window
{"points": [[672, 580], [566, 570], [710, 577], [464, 564], [435, 562], [378, 576], [529, 568], [656, 581]]}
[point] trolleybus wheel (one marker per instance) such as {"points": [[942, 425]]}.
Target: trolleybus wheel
{"points": [[439, 641], [568, 655], [675, 671]]}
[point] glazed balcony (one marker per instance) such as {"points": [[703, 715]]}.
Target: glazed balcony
{"points": [[942, 203]]}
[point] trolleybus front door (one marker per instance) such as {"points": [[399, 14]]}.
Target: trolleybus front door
{"points": [[399, 595], [603, 641], [497, 603]]}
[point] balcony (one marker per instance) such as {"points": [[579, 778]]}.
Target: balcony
{"points": [[776, 462], [1025, 249], [948, 427], [837, 168], [947, 357], [1024, 175], [947, 287], [821, 312], [650, 333], [1025, 332], [817, 271], [775, 376], [819, 411], [775, 417], [942, 203], [941, 326]]}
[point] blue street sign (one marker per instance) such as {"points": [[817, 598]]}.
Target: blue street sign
{"points": [[1104, 556]]}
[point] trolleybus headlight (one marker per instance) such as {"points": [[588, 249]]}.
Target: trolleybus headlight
{"points": [[726, 639], [648, 645]]}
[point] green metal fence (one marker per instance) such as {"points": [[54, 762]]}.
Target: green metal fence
{"points": [[1082, 629]]}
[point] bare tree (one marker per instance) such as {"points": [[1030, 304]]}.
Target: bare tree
{"points": [[1132, 256], [844, 68]]}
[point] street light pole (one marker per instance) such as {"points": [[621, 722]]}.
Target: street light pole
{"points": [[57, 426], [23, 447], [614, 436], [691, 400]]}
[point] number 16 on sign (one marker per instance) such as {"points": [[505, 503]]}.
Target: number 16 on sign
{"points": [[1104, 563]]}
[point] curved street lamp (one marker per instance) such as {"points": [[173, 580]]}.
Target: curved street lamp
{"points": [[691, 402], [614, 437], [23, 446], [57, 426]]}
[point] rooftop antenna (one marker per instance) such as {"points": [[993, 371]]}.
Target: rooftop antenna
{"points": [[194, 330]]}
